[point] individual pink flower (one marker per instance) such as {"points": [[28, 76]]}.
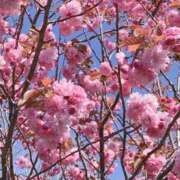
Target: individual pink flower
{"points": [[149, 118], [137, 104], [109, 155], [54, 103], [105, 69], [123, 34], [137, 11], [47, 57], [171, 42], [76, 54], [139, 74], [120, 56], [110, 45], [135, 107], [9, 7], [23, 162], [49, 34], [172, 176], [89, 129], [156, 58], [92, 85], [153, 60], [173, 18], [69, 72], [12, 54], [172, 32], [65, 28], [151, 101], [76, 173], [153, 165], [157, 128], [71, 8]]}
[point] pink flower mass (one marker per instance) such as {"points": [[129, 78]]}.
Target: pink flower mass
{"points": [[90, 89]]}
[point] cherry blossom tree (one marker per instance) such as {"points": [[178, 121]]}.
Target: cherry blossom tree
{"points": [[89, 88]]}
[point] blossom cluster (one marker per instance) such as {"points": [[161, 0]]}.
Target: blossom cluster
{"points": [[51, 115], [144, 110]]}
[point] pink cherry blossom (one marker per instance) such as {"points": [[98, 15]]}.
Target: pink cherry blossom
{"points": [[71, 8], [172, 35], [120, 57], [137, 104], [9, 6], [105, 69], [173, 17], [156, 58], [23, 162], [153, 165]]}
